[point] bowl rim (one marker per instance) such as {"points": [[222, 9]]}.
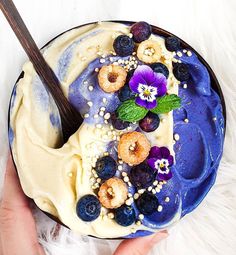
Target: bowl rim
{"points": [[157, 31]]}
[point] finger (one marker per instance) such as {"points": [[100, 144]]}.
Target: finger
{"points": [[141, 245], [13, 195], [18, 230]]}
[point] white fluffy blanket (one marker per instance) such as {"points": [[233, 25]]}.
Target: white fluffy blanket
{"points": [[210, 27]]}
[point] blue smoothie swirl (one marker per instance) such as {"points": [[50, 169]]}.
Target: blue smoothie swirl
{"points": [[199, 124]]}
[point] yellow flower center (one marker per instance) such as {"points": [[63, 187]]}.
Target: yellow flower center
{"points": [[161, 165], [146, 93]]}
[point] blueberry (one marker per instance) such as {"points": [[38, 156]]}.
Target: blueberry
{"points": [[125, 93], [147, 203], [125, 215], [142, 176], [141, 31], [129, 75], [160, 68], [150, 122], [181, 71], [172, 43], [88, 208], [123, 45], [106, 167], [117, 123]]}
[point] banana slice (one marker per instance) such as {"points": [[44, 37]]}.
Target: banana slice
{"points": [[149, 51], [133, 148], [111, 78], [113, 193]]}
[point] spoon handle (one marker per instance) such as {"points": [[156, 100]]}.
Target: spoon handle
{"points": [[70, 118]]}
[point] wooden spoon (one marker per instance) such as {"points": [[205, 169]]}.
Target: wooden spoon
{"points": [[70, 118]]}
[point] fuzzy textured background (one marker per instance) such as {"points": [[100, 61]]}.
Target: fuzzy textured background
{"points": [[210, 27]]}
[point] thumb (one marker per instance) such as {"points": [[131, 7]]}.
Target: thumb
{"points": [[141, 245]]}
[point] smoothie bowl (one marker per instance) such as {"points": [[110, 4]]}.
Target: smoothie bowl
{"points": [[149, 147]]}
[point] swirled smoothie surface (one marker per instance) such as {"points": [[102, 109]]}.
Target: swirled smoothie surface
{"points": [[56, 178]]}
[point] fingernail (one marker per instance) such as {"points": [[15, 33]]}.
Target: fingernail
{"points": [[160, 236]]}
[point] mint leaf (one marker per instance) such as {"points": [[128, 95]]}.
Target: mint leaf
{"points": [[130, 111], [167, 103]]}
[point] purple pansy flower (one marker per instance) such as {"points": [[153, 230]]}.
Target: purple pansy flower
{"points": [[148, 85], [160, 160]]}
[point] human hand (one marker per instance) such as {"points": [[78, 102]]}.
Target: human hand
{"points": [[18, 234]]}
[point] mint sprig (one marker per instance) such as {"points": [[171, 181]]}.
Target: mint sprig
{"points": [[129, 111], [167, 103]]}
